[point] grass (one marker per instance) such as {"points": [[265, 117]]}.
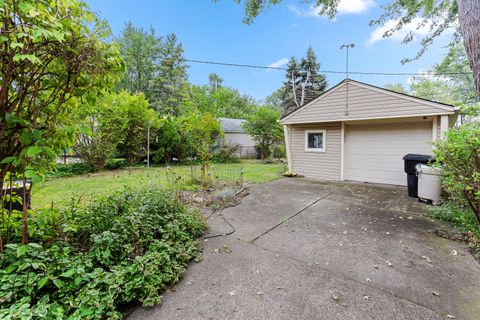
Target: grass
{"points": [[90, 186], [462, 219]]}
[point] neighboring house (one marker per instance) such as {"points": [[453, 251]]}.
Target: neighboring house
{"points": [[234, 134], [360, 132]]}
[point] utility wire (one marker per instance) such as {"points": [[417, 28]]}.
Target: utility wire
{"points": [[252, 66], [226, 64]]}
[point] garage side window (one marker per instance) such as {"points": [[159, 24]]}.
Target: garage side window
{"points": [[315, 140]]}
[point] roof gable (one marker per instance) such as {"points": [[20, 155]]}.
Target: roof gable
{"points": [[352, 100]]}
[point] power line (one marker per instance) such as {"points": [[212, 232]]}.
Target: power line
{"points": [[253, 66], [240, 65]]}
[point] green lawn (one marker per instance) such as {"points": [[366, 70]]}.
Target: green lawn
{"points": [[61, 191]]}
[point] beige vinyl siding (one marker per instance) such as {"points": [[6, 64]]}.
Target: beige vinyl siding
{"points": [[363, 103], [317, 165]]}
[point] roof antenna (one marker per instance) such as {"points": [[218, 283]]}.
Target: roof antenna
{"points": [[347, 46]]}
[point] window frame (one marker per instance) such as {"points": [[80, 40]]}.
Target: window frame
{"points": [[321, 150]]}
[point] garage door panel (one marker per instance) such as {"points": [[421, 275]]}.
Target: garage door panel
{"points": [[374, 153]]}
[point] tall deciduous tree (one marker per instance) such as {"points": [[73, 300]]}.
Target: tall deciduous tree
{"points": [[265, 129], [170, 85], [104, 123], [139, 119], [140, 50], [439, 15], [221, 102], [50, 52]]}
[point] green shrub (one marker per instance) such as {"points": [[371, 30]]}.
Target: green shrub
{"points": [[126, 247], [226, 153], [70, 170], [459, 156], [279, 151], [114, 164]]}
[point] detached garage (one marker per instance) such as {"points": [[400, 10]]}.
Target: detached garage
{"points": [[359, 132]]}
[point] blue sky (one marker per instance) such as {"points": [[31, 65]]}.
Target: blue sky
{"points": [[215, 32]]}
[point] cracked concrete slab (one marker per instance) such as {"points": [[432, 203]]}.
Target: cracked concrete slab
{"points": [[292, 258]]}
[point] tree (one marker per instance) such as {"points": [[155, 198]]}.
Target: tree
{"points": [[265, 129], [438, 15], [275, 100], [215, 81], [168, 141], [397, 87], [104, 126], [303, 82], [50, 53], [140, 51], [200, 131], [221, 102], [170, 85], [457, 87], [139, 118]]}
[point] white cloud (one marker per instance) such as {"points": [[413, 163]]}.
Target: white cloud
{"points": [[344, 7], [277, 64], [418, 27], [354, 6]]}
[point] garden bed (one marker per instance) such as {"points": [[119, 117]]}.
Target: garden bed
{"points": [[87, 263]]}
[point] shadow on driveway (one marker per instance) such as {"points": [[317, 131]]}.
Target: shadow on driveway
{"points": [[318, 250]]}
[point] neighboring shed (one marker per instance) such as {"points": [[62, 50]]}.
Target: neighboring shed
{"points": [[234, 134], [360, 132]]}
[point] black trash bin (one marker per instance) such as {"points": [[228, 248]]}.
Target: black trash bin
{"points": [[411, 160]]}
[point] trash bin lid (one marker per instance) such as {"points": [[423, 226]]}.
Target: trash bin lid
{"points": [[421, 168], [417, 157]]}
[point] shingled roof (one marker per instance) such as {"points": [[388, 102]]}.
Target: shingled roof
{"points": [[232, 125]]}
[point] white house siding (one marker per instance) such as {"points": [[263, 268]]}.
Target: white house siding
{"points": [[364, 102], [318, 165]]}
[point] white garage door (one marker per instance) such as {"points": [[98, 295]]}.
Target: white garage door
{"points": [[373, 153]]}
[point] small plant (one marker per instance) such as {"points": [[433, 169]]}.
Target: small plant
{"points": [[461, 217], [225, 195]]}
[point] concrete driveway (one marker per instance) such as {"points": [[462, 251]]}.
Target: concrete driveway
{"points": [[315, 250]]}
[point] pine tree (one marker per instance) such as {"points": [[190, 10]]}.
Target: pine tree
{"points": [[139, 50], [169, 87], [314, 83], [303, 82], [289, 85]]}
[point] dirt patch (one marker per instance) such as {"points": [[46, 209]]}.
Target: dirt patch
{"points": [[214, 198], [465, 237]]}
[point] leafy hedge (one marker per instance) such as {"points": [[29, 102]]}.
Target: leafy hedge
{"points": [[86, 262]]}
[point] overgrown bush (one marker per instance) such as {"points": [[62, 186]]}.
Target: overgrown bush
{"points": [[71, 169], [279, 151], [114, 164], [459, 156], [126, 247], [262, 152], [226, 152]]}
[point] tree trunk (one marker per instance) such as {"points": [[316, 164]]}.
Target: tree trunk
{"points": [[24, 213], [469, 18]]}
